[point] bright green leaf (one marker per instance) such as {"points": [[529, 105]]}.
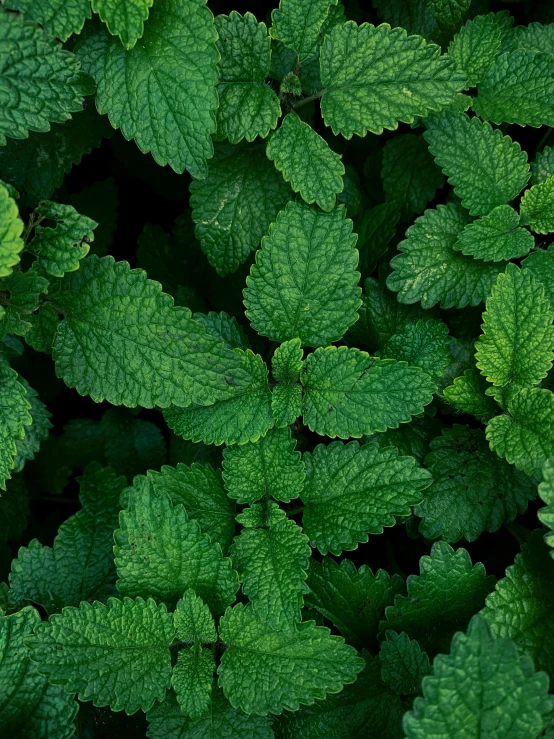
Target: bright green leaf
{"points": [[467, 394], [14, 417], [537, 207], [59, 18], [124, 18], [475, 46], [543, 166], [495, 237], [11, 228], [297, 24], [192, 680], [541, 265]]}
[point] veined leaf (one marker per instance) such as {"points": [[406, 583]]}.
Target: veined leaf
{"points": [[495, 237], [124, 18], [543, 166], [541, 265], [467, 394], [286, 398], [537, 207], [424, 344], [297, 24], [546, 492], [21, 298], [449, 13], [192, 680], [11, 228], [36, 433], [59, 18], [403, 663], [475, 46], [14, 417], [193, 620]]}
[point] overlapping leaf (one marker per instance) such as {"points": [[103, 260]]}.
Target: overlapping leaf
{"points": [[124, 18], [14, 417], [475, 46], [59, 18], [537, 208], [496, 236], [11, 228]]}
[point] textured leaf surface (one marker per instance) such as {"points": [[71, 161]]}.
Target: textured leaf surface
{"points": [[30, 708], [224, 327], [244, 416], [192, 680], [14, 417], [537, 207], [525, 435], [403, 664], [495, 237], [517, 343], [546, 492], [475, 47], [124, 18], [389, 77], [449, 13], [543, 166], [441, 599], [482, 688], [518, 88], [193, 620], [21, 296], [467, 394], [353, 491], [541, 265], [60, 248], [116, 655], [36, 432], [472, 489], [272, 561], [234, 206], [247, 106], [429, 270], [304, 281], [79, 567], [161, 552], [162, 93], [266, 670], [520, 608], [424, 344], [115, 317], [268, 467], [286, 398], [297, 24], [59, 18], [39, 79], [354, 600], [11, 228], [348, 393], [307, 162], [485, 168]]}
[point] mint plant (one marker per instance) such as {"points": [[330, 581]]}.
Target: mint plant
{"points": [[276, 385]]}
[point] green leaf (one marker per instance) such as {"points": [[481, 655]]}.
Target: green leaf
{"points": [[167, 721], [430, 270], [36, 432], [160, 552], [535, 36], [495, 237], [79, 567], [162, 92], [368, 708], [348, 393], [472, 489], [524, 436], [272, 561], [266, 670], [424, 344], [93, 650], [124, 18], [268, 467], [352, 491], [541, 265], [286, 398], [518, 88], [354, 600], [14, 417], [40, 80], [409, 173], [475, 46], [244, 416], [31, 707], [403, 664], [114, 317], [247, 106], [297, 24], [412, 439], [537, 209], [482, 688], [11, 228], [415, 17], [441, 599], [304, 281], [60, 248], [517, 343], [520, 608], [467, 394], [59, 18], [43, 326], [307, 162], [389, 77], [546, 492], [21, 297], [234, 206], [543, 166], [485, 168], [192, 680], [224, 327], [193, 620]]}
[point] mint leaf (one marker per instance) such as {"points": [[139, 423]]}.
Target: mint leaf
{"points": [[244, 416], [297, 24], [11, 228], [160, 552], [467, 394], [83, 647], [21, 297], [192, 680], [464, 695], [234, 206], [424, 344], [307, 162], [309, 258], [449, 13], [546, 492], [354, 600], [162, 92], [495, 237], [59, 18], [485, 168], [543, 166], [536, 208], [472, 491], [268, 467], [266, 670], [348, 393], [193, 620], [475, 46], [390, 77], [14, 417], [247, 106], [36, 433], [224, 327], [124, 19], [511, 350], [286, 398], [31, 707], [429, 270], [541, 265], [352, 491], [403, 664]]}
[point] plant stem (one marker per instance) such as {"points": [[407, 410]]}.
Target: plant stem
{"points": [[307, 100]]}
